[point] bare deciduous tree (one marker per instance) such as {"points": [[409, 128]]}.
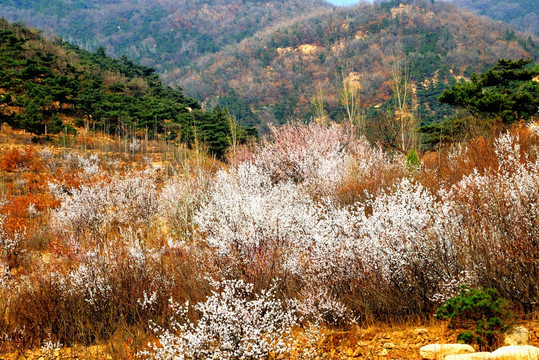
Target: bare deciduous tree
{"points": [[350, 100], [318, 102], [402, 95]]}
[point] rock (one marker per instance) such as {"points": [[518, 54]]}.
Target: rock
{"points": [[353, 352], [384, 352], [517, 335], [516, 352], [46, 257], [471, 356], [389, 345], [438, 351]]}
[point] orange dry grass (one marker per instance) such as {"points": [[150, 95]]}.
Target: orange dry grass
{"points": [[19, 159]]}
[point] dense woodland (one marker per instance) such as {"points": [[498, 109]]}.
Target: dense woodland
{"points": [[45, 82]]}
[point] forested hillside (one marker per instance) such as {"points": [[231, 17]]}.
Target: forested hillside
{"points": [[43, 83], [522, 14], [164, 34], [278, 73], [268, 61]]}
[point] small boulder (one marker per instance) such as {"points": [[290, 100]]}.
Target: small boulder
{"points": [[353, 352], [439, 351], [516, 352], [472, 356], [6, 128], [517, 335], [383, 352]]}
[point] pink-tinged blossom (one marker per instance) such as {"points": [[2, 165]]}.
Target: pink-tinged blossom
{"points": [[318, 157]]}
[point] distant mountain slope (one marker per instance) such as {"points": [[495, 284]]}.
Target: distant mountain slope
{"points": [[277, 73], [163, 34], [523, 14]]}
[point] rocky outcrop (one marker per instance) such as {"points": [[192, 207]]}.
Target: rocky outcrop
{"points": [[514, 352]]}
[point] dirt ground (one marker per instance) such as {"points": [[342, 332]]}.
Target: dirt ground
{"points": [[373, 343]]}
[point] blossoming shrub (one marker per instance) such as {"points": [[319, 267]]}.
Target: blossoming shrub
{"points": [[120, 200], [498, 224], [262, 229], [88, 293], [393, 244], [351, 233], [323, 159], [233, 323], [11, 245]]}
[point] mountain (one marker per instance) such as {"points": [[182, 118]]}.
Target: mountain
{"points": [[277, 73], [522, 14], [164, 34], [266, 60], [49, 87]]}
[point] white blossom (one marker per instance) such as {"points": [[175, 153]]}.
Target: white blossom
{"points": [[123, 199], [233, 323]]}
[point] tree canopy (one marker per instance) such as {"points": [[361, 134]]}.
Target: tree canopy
{"points": [[507, 91]]}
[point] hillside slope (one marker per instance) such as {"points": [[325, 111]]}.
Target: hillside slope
{"points": [[265, 61], [522, 14], [163, 34], [278, 71]]}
